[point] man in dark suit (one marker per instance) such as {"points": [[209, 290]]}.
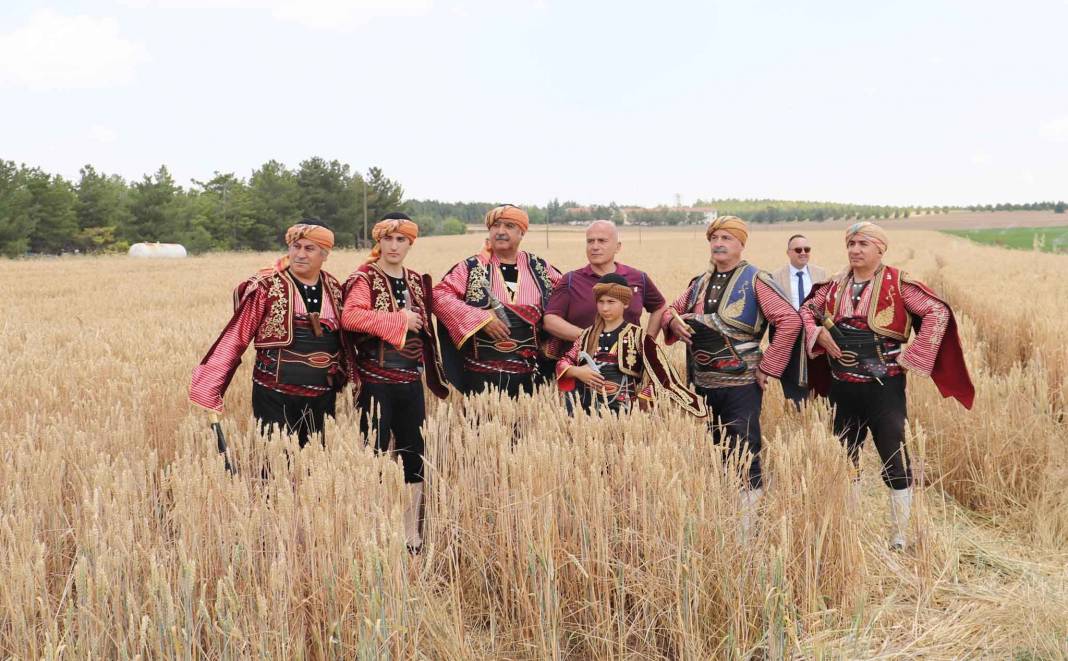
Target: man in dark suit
{"points": [[797, 278]]}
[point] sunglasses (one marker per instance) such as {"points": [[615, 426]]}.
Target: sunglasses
{"points": [[802, 250]]}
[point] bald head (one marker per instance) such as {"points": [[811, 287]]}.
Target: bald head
{"points": [[599, 227], [602, 244]]}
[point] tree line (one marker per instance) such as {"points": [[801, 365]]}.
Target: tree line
{"points": [[46, 213]]}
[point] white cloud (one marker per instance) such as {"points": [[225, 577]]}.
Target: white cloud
{"points": [[318, 14], [103, 134], [982, 158], [54, 51], [345, 14], [1056, 130]]}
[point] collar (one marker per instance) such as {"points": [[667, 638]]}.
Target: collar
{"points": [[794, 270]]}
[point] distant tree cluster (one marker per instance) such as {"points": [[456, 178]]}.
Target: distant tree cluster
{"points": [[1056, 207], [775, 211], [45, 213]]}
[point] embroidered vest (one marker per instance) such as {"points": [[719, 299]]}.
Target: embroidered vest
{"points": [[276, 329], [886, 314], [738, 308], [478, 280], [372, 347], [523, 340]]}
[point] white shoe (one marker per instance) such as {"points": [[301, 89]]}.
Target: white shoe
{"points": [[411, 517], [900, 511], [750, 499], [853, 499]]}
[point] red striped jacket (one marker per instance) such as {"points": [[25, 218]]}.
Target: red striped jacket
{"points": [[464, 320], [263, 300]]}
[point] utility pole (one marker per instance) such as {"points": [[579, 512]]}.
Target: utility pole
{"points": [[365, 238], [546, 226]]}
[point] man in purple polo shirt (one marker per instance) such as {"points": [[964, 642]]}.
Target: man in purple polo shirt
{"points": [[572, 306]]}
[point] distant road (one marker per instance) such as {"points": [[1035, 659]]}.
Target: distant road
{"points": [[952, 221]]}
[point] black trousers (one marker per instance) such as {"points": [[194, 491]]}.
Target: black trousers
{"points": [[735, 421], [512, 384], [300, 416], [793, 392], [398, 409], [863, 407]]}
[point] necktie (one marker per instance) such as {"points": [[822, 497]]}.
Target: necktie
{"points": [[800, 289]]}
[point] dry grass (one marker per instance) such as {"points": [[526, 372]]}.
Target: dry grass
{"points": [[121, 535]]}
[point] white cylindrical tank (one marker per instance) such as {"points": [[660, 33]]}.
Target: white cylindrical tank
{"points": [[157, 250]]}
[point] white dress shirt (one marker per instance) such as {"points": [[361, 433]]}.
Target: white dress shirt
{"points": [[806, 277]]}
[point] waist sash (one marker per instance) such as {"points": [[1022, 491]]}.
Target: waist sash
{"points": [[309, 360], [520, 345], [713, 351], [863, 352]]}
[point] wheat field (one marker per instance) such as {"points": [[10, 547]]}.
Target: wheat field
{"points": [[122, 536]]}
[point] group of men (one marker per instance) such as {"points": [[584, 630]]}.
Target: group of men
{"points": [[507, 320]]}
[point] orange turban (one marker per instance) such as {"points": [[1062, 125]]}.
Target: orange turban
{"points": [[504, 212], [509, 212], [317, 234], [733, 224], [389, 226], [873, 232]]}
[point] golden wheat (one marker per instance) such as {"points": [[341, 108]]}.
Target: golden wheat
{"points": [[547, 537]]}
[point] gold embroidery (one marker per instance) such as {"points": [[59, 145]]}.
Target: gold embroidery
{"points": [[335, 293], [630, 354], [275, 323], [735, 308], [941, 320], [479, 277], [540, 272], [381, 294], [885, 317]]}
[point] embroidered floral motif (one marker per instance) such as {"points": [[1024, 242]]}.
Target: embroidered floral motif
{"points": [[941, 321], [885, 317], [630, 352], [274, 325], [478, 285], [335, 292], [733, 309], [416, 287], [537, 266], [380, 293]]}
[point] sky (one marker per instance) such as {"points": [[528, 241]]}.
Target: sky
{"points": [[908, 102]]}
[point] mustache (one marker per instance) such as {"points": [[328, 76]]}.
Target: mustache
{"points": [[719, 251], [501, 237]]}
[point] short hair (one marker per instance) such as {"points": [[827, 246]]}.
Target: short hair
{"points": [[795, 236], [396, 215]]}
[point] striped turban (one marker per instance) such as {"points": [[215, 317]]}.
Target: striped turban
{"points": [[504, 212], [393, 223], [508, 212], [870, 231], [614, 285], [317, 234], [733, 224]]}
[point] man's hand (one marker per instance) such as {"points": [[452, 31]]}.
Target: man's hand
{"points": [[497, 330], [681, 329], [825, 340], [761, 379], [415, 322], [586, 375]]}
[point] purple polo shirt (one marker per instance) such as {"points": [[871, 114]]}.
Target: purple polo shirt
{"points": [[572, 298]]}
